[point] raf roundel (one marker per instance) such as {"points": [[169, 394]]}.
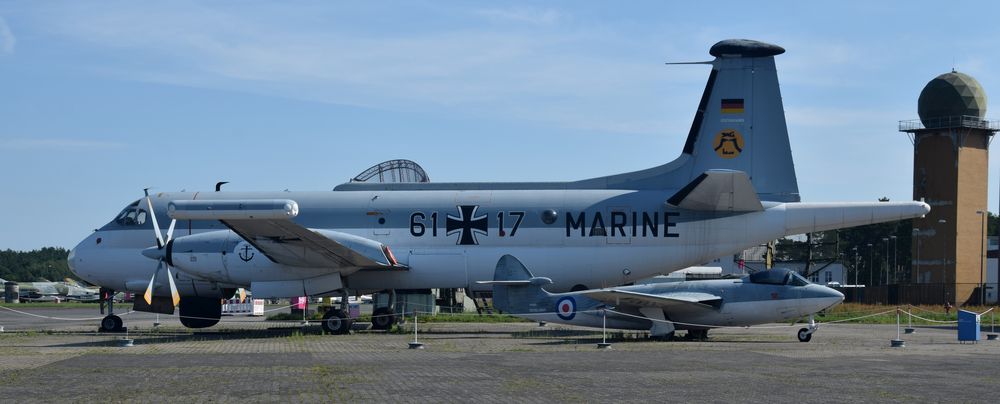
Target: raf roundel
{"points": [[566, 308]]}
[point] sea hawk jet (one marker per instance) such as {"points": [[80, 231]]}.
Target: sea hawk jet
{"points": [[662, 308], [732, 186]]}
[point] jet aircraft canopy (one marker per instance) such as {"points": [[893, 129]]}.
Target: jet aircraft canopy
{"points": [[778, 276]]}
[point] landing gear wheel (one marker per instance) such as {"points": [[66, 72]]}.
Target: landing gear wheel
{"points": [[698, 335], [805, 335], [383, 319], [336, 322], [111, 323]]}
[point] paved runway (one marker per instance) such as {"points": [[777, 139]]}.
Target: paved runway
{"points": [[252, 361]]}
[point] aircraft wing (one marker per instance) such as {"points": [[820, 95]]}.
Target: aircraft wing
{"points": [[267, 225], [669, 301]]}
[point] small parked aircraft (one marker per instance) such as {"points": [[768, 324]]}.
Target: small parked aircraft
{"points": [[696, 306]]}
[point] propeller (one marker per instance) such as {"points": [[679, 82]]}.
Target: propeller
{"points": [[160, 255]]}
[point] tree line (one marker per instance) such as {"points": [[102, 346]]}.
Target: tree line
{"points": [[48, 263]]}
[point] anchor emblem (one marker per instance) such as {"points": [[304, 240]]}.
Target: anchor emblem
{"points": [[246, 255]]}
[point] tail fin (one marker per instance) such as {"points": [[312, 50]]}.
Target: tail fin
{"points": [[516, 290], [739, 125]]}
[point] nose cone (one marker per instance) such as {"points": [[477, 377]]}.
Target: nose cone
{"points": [[826, 297], [77, 259], [69, 261]]}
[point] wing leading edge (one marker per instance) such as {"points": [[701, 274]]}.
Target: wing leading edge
{"points": [[668, 301], [267, 225]]}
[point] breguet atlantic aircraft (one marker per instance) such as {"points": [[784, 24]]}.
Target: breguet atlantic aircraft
{"points": [[733, 186]]}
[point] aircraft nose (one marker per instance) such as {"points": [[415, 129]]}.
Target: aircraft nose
{"points": [[69, 260], [828, 296]]}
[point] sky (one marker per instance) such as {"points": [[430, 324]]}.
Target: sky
{"points": [[99, 100]]}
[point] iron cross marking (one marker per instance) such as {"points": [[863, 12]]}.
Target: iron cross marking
{"points": [[466, 223]]}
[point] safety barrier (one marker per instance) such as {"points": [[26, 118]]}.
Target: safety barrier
{"points": [[252, 307]]}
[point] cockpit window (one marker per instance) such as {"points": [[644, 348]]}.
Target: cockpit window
{"points": [[132, 215], [778, 276], [797, 280], [770, 277]]}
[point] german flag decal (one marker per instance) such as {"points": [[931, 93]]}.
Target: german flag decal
{"points": [[732, 105]]}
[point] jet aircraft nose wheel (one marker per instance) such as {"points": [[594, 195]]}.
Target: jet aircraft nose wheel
{"points": [[111, 323], [336, 322], [805, 335], [383, 318]]}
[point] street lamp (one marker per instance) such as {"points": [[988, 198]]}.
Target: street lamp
{"points": [[895, 265], [855, 266], [916, 236], [886, 240], [982, 224], [871, 255]]}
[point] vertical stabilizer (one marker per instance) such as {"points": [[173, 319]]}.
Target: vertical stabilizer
{"points": [[515, 290], [739, 125]]}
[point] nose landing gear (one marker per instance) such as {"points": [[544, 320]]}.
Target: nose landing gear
{"points": [[805, 334], [111, 322]]}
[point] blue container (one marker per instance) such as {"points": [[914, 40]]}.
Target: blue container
{"points": [[968, 326]]}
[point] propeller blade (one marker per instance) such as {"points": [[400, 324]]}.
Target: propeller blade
{"points": [[156, 226], [173, 288], [170, 232], [148, 296]]}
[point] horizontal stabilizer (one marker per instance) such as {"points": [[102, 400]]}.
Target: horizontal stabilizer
{"points": [[676, 301], [718, 190]]}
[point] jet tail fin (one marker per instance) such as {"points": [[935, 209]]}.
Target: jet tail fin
{"points": [[515, 289]]}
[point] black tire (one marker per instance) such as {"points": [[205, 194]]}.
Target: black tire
{"points": [[336, 322], [805, 335], [383, 318], [200, 312], [111, 323], [698, 335]]}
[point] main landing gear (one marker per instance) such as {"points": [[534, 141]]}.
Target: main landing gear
{"points": [[383, 317], [337, 321], [111, 322], [806, 334]]}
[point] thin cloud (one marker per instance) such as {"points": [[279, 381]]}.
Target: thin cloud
{"points": [[7, 39], [522, 15], [58, 144], [480, 71]]}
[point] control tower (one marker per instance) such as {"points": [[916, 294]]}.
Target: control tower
{"points": [[950, 172]]}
